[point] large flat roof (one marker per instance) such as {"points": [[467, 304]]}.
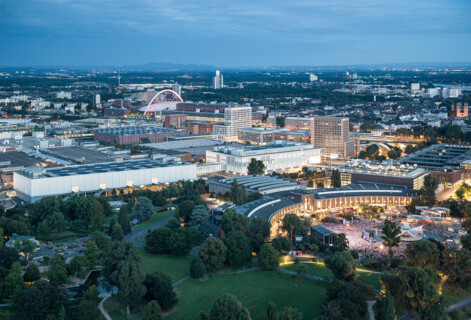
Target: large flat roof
{"points": [[360, 189], [116, 166], [133, 130], [78, 154], [21, 159], [265, 208], [261, 183], [439, 156]]}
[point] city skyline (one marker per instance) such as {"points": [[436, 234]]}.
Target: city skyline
{"points": [[313, 33]]}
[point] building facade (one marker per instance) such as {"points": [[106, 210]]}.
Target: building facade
{"points": [[141, 134], [234, 119], [277, 156], [331, 133]]}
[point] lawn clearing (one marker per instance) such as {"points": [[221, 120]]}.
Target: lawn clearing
{"points": [[319, 269], [156, 217], [255, 289], [176, 267]]}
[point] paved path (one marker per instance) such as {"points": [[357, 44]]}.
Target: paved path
{"points": [[135, 233], [238, 271], [102, 310], [179, 281], [293, 273], [370, 309], [458, 305]]}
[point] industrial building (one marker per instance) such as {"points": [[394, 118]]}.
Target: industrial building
{"points": [[263, 184], [387, 172], [353, 195], [276, 155], [32, 184], [132, 134]]}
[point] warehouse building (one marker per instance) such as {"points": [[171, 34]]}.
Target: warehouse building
{"points": [[386, 173], [132, 134], [32, 184], [263, 184], [276, 155]]}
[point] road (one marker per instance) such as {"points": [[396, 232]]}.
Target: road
{"points": [[136, 233], [459, 305]]}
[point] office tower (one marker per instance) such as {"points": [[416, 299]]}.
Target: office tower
{"points": [[97, 101], [234, 119], [177, 88], [331, 133], [414, 87], [218, 80], [312, 77]]}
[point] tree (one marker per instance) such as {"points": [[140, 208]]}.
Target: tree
{"points": [[331, 311], [57, 272], [238, 247], [228, 307], [281, 244], [152, 311], [110, 228], [456, 265], [280, 121], [92, 253], [291, 219], [213, 253], [117, 233], [197, 268], [199, 217], [57, 221], [100, 239], [184, 210], [234, 192], [466, 241], [271, 312], [342, 266], [88, 305], [159, 287], [28, 246], [390, 236], [123, 220], [350, 300], [79, 265], [421, 293], [255, 167], [233, 221], [1, 238], [97, 217], [336, 180], [387, 310], [256, 242], [341, 243], [31, 273], [202, 316], [366, 126], [143, 209], [41, 300], [157, 241], [423, 253], [261, 227], [394, 153], [290, 313], [179, 243], [8, 256], [122, 268], [268, 258], [242, 195], [13, 283]]}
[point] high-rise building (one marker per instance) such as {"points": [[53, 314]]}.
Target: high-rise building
{"points": [[218, 80], [97, 101], [177, 88], [331, 133], [312, 77], [234, 119]]}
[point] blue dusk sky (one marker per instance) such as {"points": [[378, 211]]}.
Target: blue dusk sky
{"points": [[232, 33]]}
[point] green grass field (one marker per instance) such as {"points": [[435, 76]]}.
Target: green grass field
{"points": [[255, 289], [319, 269], [9, 313], [156, 217], [176, 267]]}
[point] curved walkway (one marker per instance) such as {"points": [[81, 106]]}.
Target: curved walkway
{"points": [[102, 309]]}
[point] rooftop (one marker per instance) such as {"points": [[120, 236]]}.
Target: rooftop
{"points": [[78, 155], [271, 147], [384, 169], [133, 130], [263, 183], [440, 156], [116, 166], [265, 208]]}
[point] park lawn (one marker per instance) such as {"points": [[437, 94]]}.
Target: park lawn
{"points": [[156, 217], [9, 313], [320, 270], [117, 312], [454, 297], [255, 289], [177, 267]]}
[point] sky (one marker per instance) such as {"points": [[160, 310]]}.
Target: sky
{"points": [[233, 33]]}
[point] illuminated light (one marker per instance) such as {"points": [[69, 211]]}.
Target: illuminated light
{"points": [[75, 189], [129, 184], [102, 186]]}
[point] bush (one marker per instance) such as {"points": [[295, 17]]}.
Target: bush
{"points": [[331, 220], [377, 264], [268, 258], [197, 268]]}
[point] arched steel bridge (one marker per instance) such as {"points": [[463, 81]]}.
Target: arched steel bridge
{"points": [[164, 100]]}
